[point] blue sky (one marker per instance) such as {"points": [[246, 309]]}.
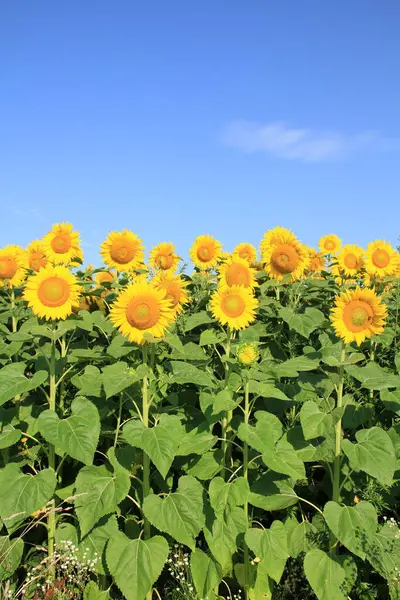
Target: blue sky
{"points": [[180, 118]]}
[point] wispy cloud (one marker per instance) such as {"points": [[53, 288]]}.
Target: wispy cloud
{"points": [[307, 145]]}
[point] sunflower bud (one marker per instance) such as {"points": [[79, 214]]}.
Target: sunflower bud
{"points": [[247, 353]]}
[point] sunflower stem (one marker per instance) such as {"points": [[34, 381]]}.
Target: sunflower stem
{"points": [[146, 459], [338, 435], [51, 519], [226, 420], [14, 321], [246, 504]]}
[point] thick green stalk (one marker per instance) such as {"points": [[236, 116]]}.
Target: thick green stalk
{"points": [[51, 520], [338, 436], [13, 318], [226, 421], [246, 504], [146, 459]]}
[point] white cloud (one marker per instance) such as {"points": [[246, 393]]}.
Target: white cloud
{"points": [[307, 145]]}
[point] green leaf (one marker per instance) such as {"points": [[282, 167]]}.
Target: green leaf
{"points": [[206, 466], [78, 435], [89, 382], [284, 460], [391, 400], [261, 589], [160, 442], [206, 572], [301, 538], [270, 545], [92, 592], [184, 372], [265, 434], [272, 491], [99, 492], [21, 495], [209, 338], [196, 441], [373, 377], [10, 555], [314, 422], [304, 323], [199, 318], [325, 574], [116, 378], [222, 535], [224, 495], [180, 514], [136, 564], [294, 366], [8, 436], [267, 390], [373, 453], [353, 526], [384, 552], [223, 402], [14, 383]]}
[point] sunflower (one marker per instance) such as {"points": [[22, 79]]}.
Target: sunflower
{"points": [[104, 276], [330, 244], [247, 353], [140, 309], [123, 250], [272, 236], [52, 292], [13, 262], [351, 259], [316, 261], [61, 244], [236, 271], [381, 259], [163, 257], [174, 288], [358, 314], [234, 306], [36, 255], [285, 256], [205, 252], [247, 252]]}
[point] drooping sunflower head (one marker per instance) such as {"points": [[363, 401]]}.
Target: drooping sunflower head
{"points": [[247, 353], [272, 237], [141, 309], [13, 262], [351, 259], [61, 244], [358, 314], [104, 277], [174, 288], [316, 261], [123, 251], [206, 252], [285, 256], [234, 306], [330, 244], [236, 271], [163, 257], [52, 292], [247, 252], [36, 255], [381, 259]]}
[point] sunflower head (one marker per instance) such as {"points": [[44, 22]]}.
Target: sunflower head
{"points": [[36, 255], [104, 277], [247, 252], [52, 292], [13, 262], [141, 309], [272, 236], [381, 259], [330, 244], [316, 261], [247, 353], [123, 251], [236, 271], [351, 259], [61, 245], [174, 288], [163, 257], [286, 256], [358, 314], [234, 306], [206, 252]]}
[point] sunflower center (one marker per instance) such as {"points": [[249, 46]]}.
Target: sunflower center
{"points": [[164, 261], [8, 267], [381, 258], [103, 276], [204, 253], [122, 251], [36, 261], [53, 292], [238, 275], [329, 245], [143, 312], [351, 261], [247, 355], [245, 254], [357, 315], [233, 305], [285, 258], [61, 243], [173, 293]]}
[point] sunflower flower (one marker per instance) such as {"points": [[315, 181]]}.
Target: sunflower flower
{"points": [[381, 259], [52, 292], [123, 251], [234, 306], [174, 288], [61, 244], [236, 271], [13, 262], [163, 257], [206, 252]]}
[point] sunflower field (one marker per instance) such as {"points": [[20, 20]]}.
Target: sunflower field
{"points": [[232, 433]]}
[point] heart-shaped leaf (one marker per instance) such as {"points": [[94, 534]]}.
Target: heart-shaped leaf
{"points": [[206, 572], [354, 526], [270, 545], [225, 495], [10, 556], [314, 422], [373, 453], [264, 435], [325, 574]]}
